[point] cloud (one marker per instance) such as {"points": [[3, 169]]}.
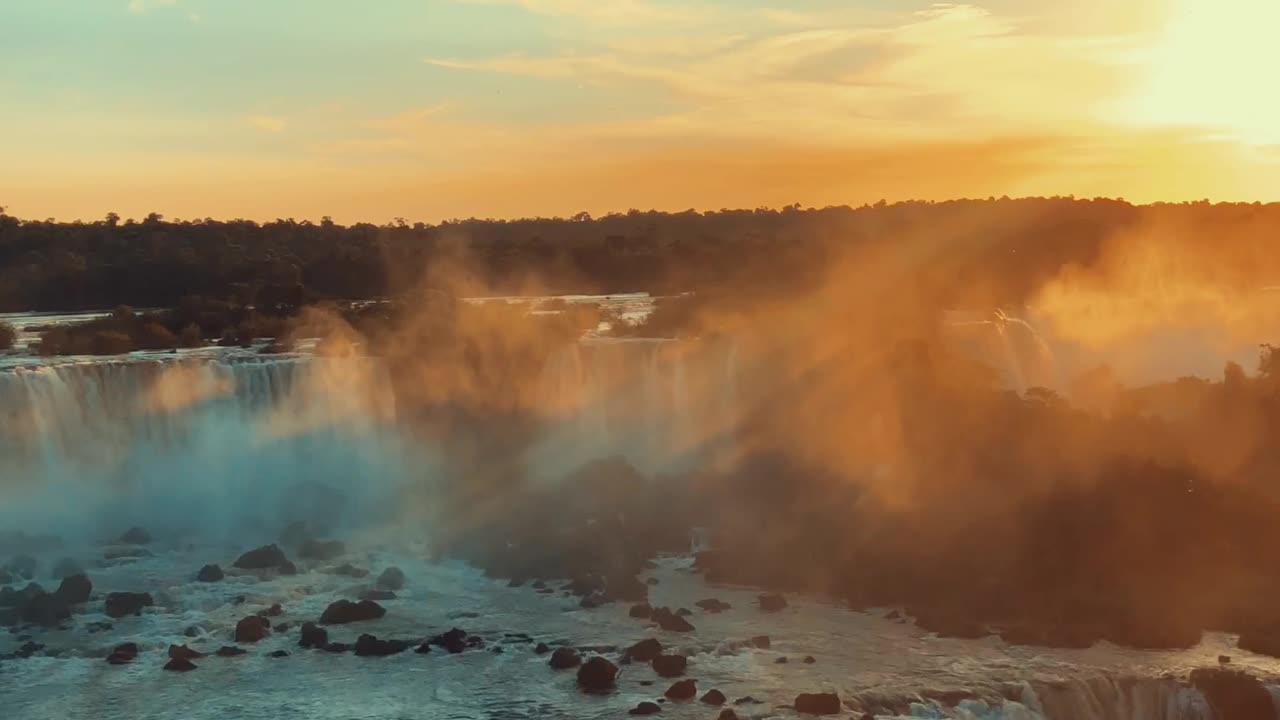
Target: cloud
{"points": [[269, 123], [606, 11], [140, 7]]}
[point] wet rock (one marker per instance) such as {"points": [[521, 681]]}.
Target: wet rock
{"points": [[539, 585], [454, 641], [781, 661], [761, 642], [748, 700], [278, 654], [645, 708], [210, 573], [727, 714], [264, 558], [313, 636], [1224, 659], [542, 649], [75, 589], [893, 615], [252, 629], [684, 612], [45, 609], [809, 660], [591, 602], [424, 648], [644, 651], [26, 650], [391, 579], [713, 605], [323, 550], [818, 704], [96, 627], [641, 611], [597, 675], [651, 581], [230, 651], [337, 647], [370, 646], [135, 536], [714, 697], [345, 611], [121, 604], [377, 595], [66, 567], [1233, 695], [348, 570], [180, 665], [670, 666], [182, 652], [565, 658], [772, 602], [682, 690], [287, 568], [274, 611], [670, 621]]}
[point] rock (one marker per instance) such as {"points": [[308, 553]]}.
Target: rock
{"points": [[651, 581], [727, 714], [182, 652], [809, 660], [345, 611], [252, 629], [682, 690], [597, 675], [893, 615], [818, 704], [670, 666], [278, 654], [714, 605], [348, 570], [263, 558], [123, 653], [274, 611], [424, 648], [323, 550], [66, 567], [542, 649], [772, 602], [781, 661], [135, 536], [371, 646], [748, 700], [45, 609], [761, 642], [1233, 694], [454, 641], [565, 658], [539, 585], [391, 579], [684, 612], [180, 665], [714, 697], [670, 621], [313, 636], [642, 611], [337, 647], [230, 651], [1224, 659], [95, 627], [23, 566], [645, 708], [75, 589], [644, 651], [287, 568], [121, 604], [281, 628], [210, 573], [26, 650], [591, 602], [377, 595]]}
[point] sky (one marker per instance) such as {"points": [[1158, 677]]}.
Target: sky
{"points": [[370, 110]]}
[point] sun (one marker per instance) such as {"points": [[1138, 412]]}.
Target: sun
{"points": [[1212, 67]]}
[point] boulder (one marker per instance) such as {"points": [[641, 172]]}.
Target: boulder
{"points": [[714, 697], [727, 714], [541, 649], [182, 652], [391, 579], [454, 641], [287, 568], [645, 708], [66, 567], [274, 611], [818, 704], [682, 690], [278, 654], [713, 605], [345, 611], [209, 574], [121, 604], [670, 621], [75, 589], [230, 651], [252, 629], [370, 646], [597, 675], [670, 666], [781, 661], [641, 611], [761, 642], [565, 658], [263, 558], [135, 536], [424, 649], [809, 660], [336, 647], [644, 651], [180, 665], [45, 609], [313, 636], [1233, 695], [123, 654], [323, 550], [772, 602]]}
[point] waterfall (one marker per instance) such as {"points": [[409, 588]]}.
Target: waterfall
{"points": [[211, 443], [1012, 345]]}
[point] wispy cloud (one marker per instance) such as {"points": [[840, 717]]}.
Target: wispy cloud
{"points": [[140, 7], [269, 123], [610, 11]]}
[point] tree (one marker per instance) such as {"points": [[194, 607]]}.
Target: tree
{"points": [[8, 336]]}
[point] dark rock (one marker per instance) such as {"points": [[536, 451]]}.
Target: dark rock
{"points": [[646, 683], [682, 690], [371, 646], [597, 675], [1224, 659], [644, 651], [238, 600], [287, 568], [651, 581], [182, 665], [263, 558], [27, 649], [377, 595], [454, 641], [337, 647], [210, 573], [515, 582], [670, 621], [539, 585], [542, 649], [727, 714], [809, 660], [123, 654], [313, 636], [781, 661], [278, 654], [391, 579], [714, 605], [323, 550], [684, 612], [762, 642], [818, 704], [748, 700], [193, 631], [714, 697], [135, 536], [95, 627], [591, 602], [1233, 695], [45, 609], [565, 658], [645, 708], [642, 611], [345, 611], [281, 627], [348, 570], [274, 611], [893, 615], [670, 666], [65, 568], [182, 652], [121, 604], [424, 648], [252, 629], [230, 651], [772, 602]]}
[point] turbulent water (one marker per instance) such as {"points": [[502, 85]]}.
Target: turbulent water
{"points": [[214, 451]]}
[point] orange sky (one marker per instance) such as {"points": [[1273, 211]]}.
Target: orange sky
{"points": [[431, 109]]}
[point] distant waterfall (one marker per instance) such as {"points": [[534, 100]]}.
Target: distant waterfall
{"points": [[211, 443], [1011, 345]]}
